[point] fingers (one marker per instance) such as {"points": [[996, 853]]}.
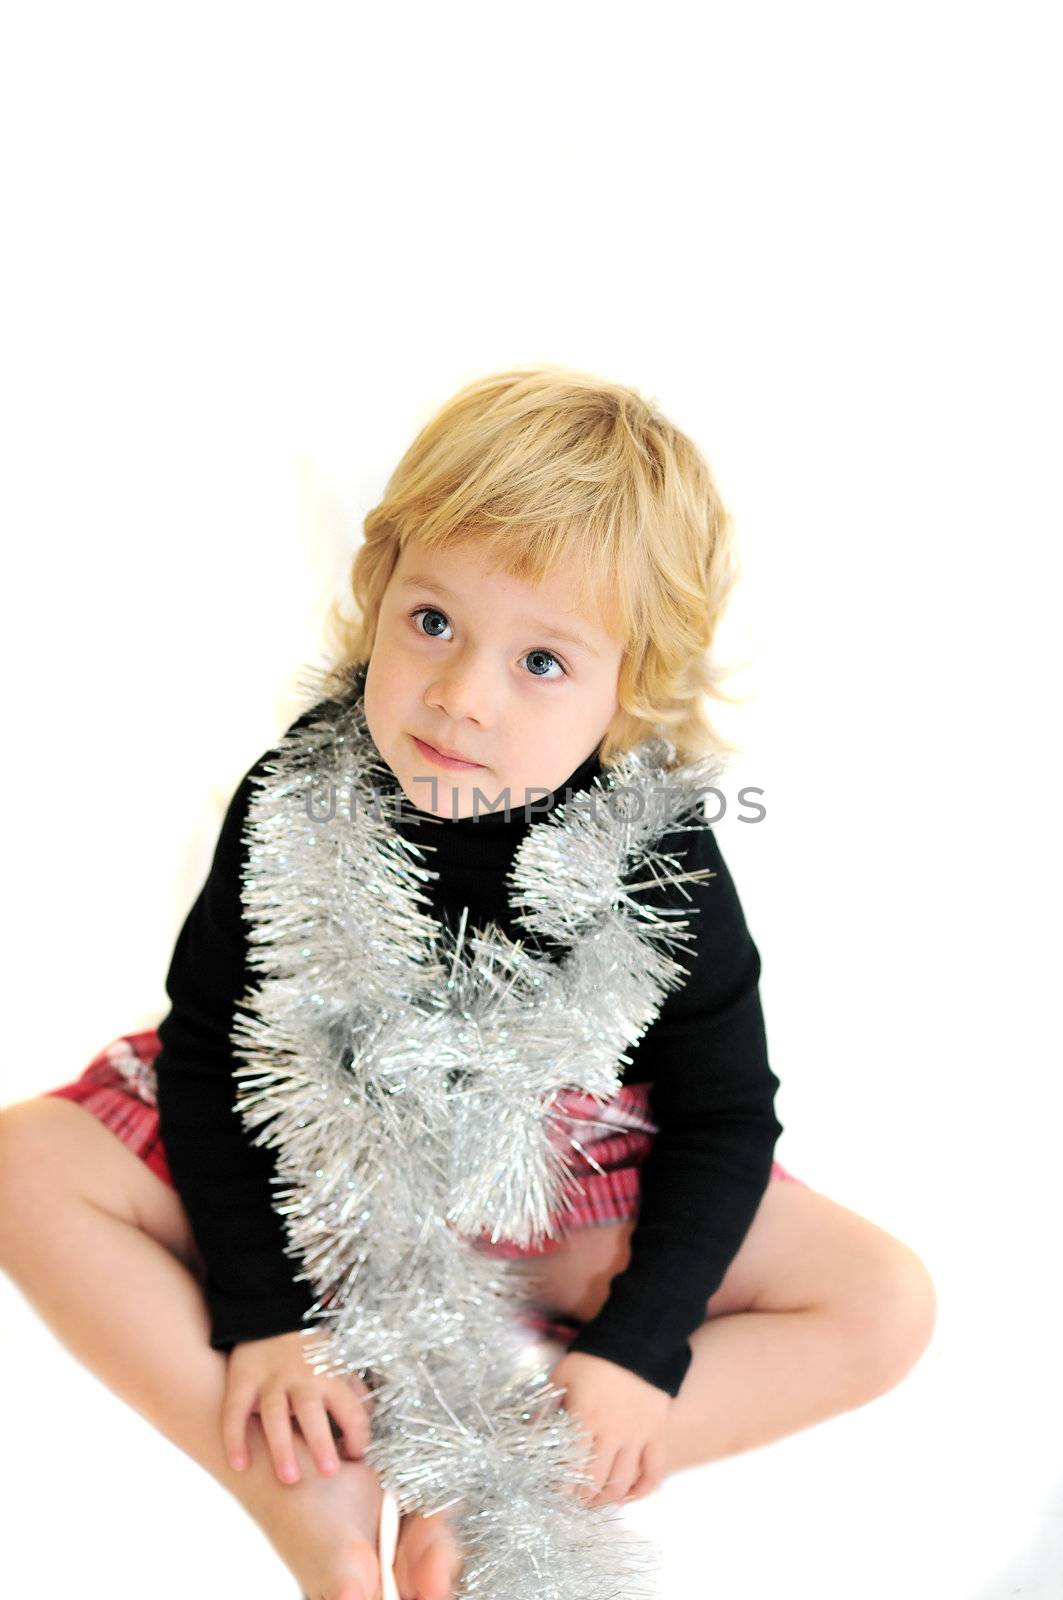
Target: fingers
{"points": [[277, 1426], [615, 1469], [626, 1468], [579, 1490], [275, 1400], [598, 1468], [608, 1459], [311, 1406], [651, 1476], [235, 1411], [352, 1414], [313, 1420]]}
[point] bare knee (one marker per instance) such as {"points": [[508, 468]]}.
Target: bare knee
{"points": [[53, 1152], [36, 1169], [889, 1316], [24, 1148]]}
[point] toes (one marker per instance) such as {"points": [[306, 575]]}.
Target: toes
{"points": [[352, 1589], [427, 1563], [361, 1580], [435, 1568], [400, 1567]]}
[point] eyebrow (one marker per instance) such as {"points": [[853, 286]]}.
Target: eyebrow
{"points": [[418, 580]]}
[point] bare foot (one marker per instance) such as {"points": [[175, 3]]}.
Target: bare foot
{"points": [[325, 1529], [428, 1558]]}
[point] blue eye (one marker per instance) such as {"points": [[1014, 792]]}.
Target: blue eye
{"points": [[547, 655], [430, 610], [541, 655]]}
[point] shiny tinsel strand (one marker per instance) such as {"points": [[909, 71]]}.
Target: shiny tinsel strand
{"points": [[408, 1076]]}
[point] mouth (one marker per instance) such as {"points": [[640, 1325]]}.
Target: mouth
{"points": [[452, 763]]}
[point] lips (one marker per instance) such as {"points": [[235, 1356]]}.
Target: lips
{"points": [[451, 757], [455, 755]]}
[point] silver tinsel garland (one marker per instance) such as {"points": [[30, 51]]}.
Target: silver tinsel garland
{"points": [[407, 1076]]}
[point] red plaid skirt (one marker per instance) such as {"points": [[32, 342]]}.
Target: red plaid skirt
{"points": [[608, 1143]]}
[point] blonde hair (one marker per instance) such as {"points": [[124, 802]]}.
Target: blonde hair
{"points": [[542, 464]]}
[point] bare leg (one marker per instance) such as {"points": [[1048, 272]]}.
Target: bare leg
{"points": [[819, 1312], [756, 1376], [71, 1193]]}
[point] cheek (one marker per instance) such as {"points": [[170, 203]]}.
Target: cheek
{"points": [[377, 700], [390, 692]]}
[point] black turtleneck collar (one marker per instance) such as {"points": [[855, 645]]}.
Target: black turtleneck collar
{"points": [[458, 837]]}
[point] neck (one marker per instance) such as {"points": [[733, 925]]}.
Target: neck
{"points": [[423, 827]]}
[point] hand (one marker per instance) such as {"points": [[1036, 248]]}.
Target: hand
{"points": [[272, 1377], [625, 1417]]}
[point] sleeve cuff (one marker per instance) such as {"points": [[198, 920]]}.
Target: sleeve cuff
{"points": [[237, 1323], [665, 1371]]}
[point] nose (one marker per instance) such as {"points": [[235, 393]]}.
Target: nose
{"points": [[462, 692]]}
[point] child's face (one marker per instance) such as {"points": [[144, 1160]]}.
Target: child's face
{"points": [[464, 659]]}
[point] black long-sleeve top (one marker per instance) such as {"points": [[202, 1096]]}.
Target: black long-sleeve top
{"points": [[712, 1094]]}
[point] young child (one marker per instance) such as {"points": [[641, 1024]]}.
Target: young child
{"points": [[537, 593]]}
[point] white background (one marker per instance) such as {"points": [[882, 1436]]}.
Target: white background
{"points": [[249, 249]]}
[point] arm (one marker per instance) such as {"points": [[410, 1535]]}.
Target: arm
{"points": [[221, 1177], [710, 1163]]}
